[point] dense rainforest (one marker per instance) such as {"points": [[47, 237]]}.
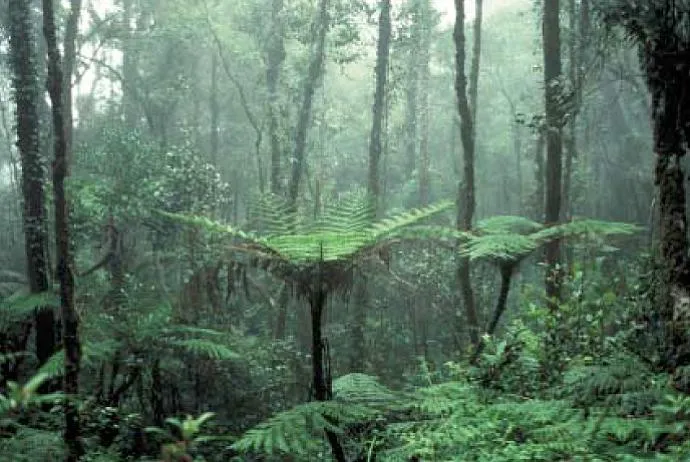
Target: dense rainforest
{"points": [[349, 230]]}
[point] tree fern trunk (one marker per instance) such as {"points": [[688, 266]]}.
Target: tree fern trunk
{"points": [[321, 379]]}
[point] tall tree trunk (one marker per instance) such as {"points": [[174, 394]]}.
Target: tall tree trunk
{"points": [[466, 201], [129, 67], [275, 58], [70, 47], [554, 145], [312, 79], [571, 138], [214, 109], [411, 92], [375, 144], [27, 95], [424, 77], [361, 295], [476, 58], [70, 320]]}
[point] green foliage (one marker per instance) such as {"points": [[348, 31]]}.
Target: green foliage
{"points": [[344, 238], [299, 431], [22, 305], [509, 238], [31, 445], [363, 389], [20, 397]]}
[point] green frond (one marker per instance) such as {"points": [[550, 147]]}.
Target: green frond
{"points": [[319, 246], [388, 227], [345, 239], [205, 348], [354, 213], [501, 247], [271, 215], [362, 389], [92, 353], [508, 224], [585, 228], [210, 225], [22, 305], [299, 431]]}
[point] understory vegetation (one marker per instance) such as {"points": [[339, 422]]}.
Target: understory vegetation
{"points": [[348, 230]]}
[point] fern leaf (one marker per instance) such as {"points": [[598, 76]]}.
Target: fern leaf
{"points": [[299, 431], [508, 224], [508, 247], [584, 228], [206, 348], [363, 389]]}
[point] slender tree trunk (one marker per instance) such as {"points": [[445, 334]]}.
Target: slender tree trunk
{"points": [[375, 144], [507, 270], [129, 63], [424, 115], [466, 201], [275, 58], [554, 144], [411, 92], [70, 47], [313, 74], [70, 320], [214, 109], [361, 296], [27, 94], [476, 58], [321, 371], [539, 176]]}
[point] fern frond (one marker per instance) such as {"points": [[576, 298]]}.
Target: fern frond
{"points": [[363, 389], [22, 304], [505, 247], [299, 431], [210, 225], [388, 227], [508, 224], [271, 215], [355, 213], [585, 228], [205, 348], [92, 353]]}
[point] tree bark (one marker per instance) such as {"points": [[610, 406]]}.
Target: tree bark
{"points": [[70, 320], [506, 269], [466, 201], [214, 109], [313, 74], [27, 94], [129, 71], [424, 114], [275, 57], [554, 145], [375, 145]]}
